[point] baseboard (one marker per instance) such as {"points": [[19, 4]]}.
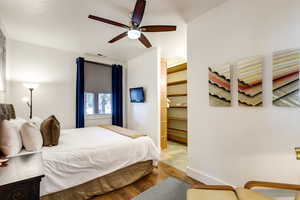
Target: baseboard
{"points": [[204, 178]]}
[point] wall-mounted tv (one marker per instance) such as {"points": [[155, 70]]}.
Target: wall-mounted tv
{"points": [[137, 95]]}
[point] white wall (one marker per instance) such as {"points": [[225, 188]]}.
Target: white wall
{"points": [[144, 71], [2, 97], [234, 145], [2, 93], [55, 70]]}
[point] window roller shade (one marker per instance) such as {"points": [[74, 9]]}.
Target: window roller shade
{"points": [[97, 78]]}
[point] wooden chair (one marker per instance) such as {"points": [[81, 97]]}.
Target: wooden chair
{"points": [[219, 192]]}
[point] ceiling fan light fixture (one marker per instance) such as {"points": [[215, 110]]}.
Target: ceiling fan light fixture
{"points": [[133, 30], [134, 34]]}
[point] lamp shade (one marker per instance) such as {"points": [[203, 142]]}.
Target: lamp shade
{"points": [[25, 99], [31, 85]]}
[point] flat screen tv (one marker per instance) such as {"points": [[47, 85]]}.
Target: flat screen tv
{"points": [[137, 95]]}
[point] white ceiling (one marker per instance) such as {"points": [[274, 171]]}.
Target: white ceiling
{"points": [[63, 24]]}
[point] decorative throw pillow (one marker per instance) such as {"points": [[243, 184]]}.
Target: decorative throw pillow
{"points": [[10, 138], [7, 112], [31, 136], [50, 129]]}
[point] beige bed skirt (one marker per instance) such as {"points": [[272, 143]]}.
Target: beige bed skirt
{"points": [[105, 184]]}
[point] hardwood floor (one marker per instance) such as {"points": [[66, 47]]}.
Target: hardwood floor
{"points": [[159, 174]]}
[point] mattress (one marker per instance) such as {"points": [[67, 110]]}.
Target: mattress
{"points": [[89, 153]]}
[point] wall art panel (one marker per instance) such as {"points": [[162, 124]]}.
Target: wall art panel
{"points": [[250, 81], [219, 86], [286, 78]]}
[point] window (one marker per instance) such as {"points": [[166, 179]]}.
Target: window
{"points": [[98, 83], [97, 103], [89, 103], [104, 104]]}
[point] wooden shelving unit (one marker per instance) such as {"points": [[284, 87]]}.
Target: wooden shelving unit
{"points": [[178, 107], [177, 82], [177, 119], [177, 95], [178, 131], [178, 68], [177, 139]]}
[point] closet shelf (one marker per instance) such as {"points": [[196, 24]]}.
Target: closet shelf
{"points": [[178, 131], [177, 68], [177, 82], [177, 139], [177, 118], [178, 107], [177, 95]]}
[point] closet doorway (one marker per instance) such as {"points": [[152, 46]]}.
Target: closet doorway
{"points": [[175, 140]]}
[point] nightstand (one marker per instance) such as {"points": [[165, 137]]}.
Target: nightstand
{"points": [[28, 189], [20, 180]]}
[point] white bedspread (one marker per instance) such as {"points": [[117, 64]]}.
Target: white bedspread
{"points": [[86, 154]]}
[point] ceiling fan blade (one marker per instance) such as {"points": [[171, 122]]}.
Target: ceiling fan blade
{"points": [[145, 41], [108, 21], [157, 28], [138, 12], [119, 37]]}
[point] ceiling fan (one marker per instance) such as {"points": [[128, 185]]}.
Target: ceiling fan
{"points": [[134, 31]]}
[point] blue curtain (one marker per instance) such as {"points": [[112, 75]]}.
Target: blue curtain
{"points": [[117, 95], [80, 93]]}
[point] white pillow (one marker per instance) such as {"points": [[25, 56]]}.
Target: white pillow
{"points": [[10, 138], [37, 121], [18, 122], [31, 136]]}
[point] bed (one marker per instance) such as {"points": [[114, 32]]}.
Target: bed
{"points": [[93, 161]]}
